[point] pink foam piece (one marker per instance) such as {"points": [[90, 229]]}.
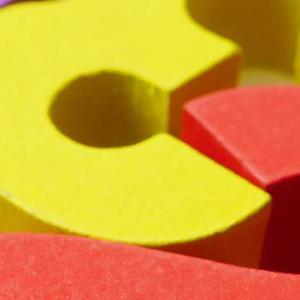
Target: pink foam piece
{"points": [[66, 267], [256, 133], [4, 2]]}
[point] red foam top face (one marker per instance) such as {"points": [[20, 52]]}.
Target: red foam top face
{"points": [[66, 267], [255, 131]]}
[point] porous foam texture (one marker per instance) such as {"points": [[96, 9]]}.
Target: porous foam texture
{"points": [[66, 267], [63, 63]]}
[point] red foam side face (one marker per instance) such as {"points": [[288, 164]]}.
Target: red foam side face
{"points": [[65, 267], [256, 133]]}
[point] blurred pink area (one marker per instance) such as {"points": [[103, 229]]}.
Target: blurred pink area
{"points": [[4, 2]]}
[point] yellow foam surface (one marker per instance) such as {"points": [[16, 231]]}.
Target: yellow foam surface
{"points": [[152, 192], [157, 192], [155, 39]]}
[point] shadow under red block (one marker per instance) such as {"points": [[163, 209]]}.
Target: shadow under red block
{"points": [[282, 242], [246, 238]]}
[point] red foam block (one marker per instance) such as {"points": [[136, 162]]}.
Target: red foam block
{"points": [[256, 133], [65, 267]]}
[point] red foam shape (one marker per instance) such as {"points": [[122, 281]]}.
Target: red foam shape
{"points": [[256, 133], [66, 267]]}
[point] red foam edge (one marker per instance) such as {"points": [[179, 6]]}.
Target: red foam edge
{"points": [[66, 267]]}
